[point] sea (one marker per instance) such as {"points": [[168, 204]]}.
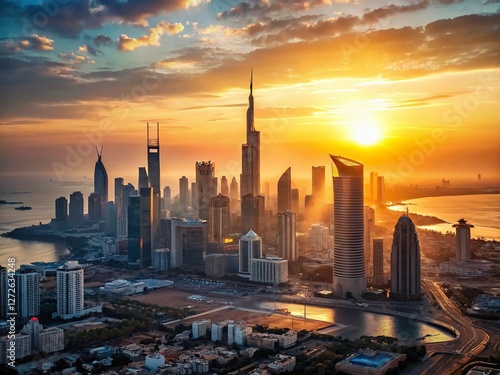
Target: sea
{"points": [[481, 210]]}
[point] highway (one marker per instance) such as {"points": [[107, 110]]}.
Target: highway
{"points": [[446, 357]]}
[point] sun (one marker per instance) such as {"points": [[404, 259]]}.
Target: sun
{"points": [[366, 132]]}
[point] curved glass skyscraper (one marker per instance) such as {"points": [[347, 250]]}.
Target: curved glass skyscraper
{"points": [[348, 231], [101, 181]]}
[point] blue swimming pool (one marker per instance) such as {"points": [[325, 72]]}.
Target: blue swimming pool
{"points": [[376, 360]]}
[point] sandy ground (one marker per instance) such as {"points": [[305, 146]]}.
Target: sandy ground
{"points": [[177, 298]]}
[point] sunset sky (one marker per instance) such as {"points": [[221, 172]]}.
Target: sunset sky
{"points": [[411, 89]]}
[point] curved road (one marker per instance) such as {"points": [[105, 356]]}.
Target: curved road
{"points": [[446, 357]]}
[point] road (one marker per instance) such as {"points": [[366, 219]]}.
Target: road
{"points": [[446, 357]]}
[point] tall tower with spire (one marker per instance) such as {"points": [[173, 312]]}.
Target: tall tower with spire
{"points": [[153, 136], [250, 170], [101, 181], [251, 202]]}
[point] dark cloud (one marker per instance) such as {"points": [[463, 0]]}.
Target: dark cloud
{"points": [[379, 14], [103, 40], [69, 20], [260, 9], [30, 43], [91, 50]]}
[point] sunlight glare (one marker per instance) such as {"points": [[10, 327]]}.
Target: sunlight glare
{"points": [[366, 131]]}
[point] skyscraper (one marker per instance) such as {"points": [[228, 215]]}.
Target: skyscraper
{"points": [[405, 260], [285, 191], [218, 219], [94, 207], [61, 213], [122, 224], [205, 187], [110, 219], [252, 213], [70, 282], [378, 261], [250, 248], [27, 294], [373, 186], [295, 201], [119, 202], [186, 239], [369, 232], [154, 172], [184, 193], [287, 246], [76, 209], [318, 185], [250, 173], [233, 191], [146, 249], [101, 181], [143, 178], [462, 250], [252, 204], [224, 186], [134, 229], [167, 197], [234, 198], [380, 190], [348, 250]]}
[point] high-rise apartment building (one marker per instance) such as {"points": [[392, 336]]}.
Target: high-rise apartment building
{"points": [[61, 213], [218, 219], [285, 191], [348, 251], [287, 246], [70, 283], [405, 260], [75, 210], [462, 251], [27, 294], [205, 186]]}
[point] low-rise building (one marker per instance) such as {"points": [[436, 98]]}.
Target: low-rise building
{"points": [[369, 362], [282, 363]]}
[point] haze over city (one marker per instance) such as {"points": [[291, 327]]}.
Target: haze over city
{"points": [[364, 79]]}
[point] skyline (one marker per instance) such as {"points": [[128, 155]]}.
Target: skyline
{"points": [[417, 79]]}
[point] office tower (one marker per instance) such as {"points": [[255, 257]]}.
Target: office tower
{"points": [[70, 282], [252, 213], [146, 227], [318, 185], [154, 173], [161, 260], [204, 186], [233, 191], [215, 186], [128, 190], [285, 191], [27, 294], [373, 186], [405, 260], [167, 198], [252, 204], [250, 248], [101, 181], [94, 207], [215, 265], [287, 246], [309, 207], [143, 178], [224, 186], [186, 239], [110, 219], [295, 201], [218, 219], [462, 250], [184, 193], [120, 222], [369, 217], [378, 261], [348, 232], [380, 190], [269, 270], [61, 213], [134, 229], [76, 209], [3, 293], [234, 198], [267, 195]]}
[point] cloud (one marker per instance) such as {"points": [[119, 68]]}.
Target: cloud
{"points": [[128, 44], [103, 40], [379, 14], [32, 43], [69, 19]]}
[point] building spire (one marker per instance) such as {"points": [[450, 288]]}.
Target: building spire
{"points": [[250, 116]]}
